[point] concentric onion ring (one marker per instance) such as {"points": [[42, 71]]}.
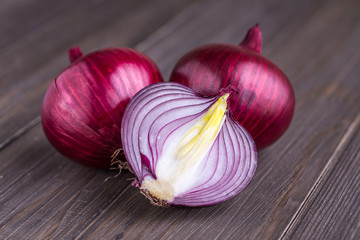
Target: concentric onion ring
{"points": [[220, 156]]}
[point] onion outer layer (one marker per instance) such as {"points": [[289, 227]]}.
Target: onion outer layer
{"points": [[83, 107], [264, 101]]}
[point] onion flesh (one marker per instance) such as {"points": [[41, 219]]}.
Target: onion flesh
{"points": [[185, 149]]}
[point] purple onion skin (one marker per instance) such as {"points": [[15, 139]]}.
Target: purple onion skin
{"points": [[83, 107], [264, 103]]}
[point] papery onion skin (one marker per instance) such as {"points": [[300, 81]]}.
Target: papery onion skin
{"points": [[155, 117], [83, 107], [265, 101]]}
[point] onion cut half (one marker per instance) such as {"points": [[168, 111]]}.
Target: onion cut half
{"points": [[185, 149]]}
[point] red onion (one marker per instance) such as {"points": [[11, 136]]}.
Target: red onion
{"points": [[264, 101], [185, 149], [83, 107]]}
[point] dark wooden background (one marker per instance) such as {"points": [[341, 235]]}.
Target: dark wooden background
{"points": [[306, 185]]}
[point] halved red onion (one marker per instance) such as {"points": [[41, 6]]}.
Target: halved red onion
{"points": [[185, 149], [83, 107]]}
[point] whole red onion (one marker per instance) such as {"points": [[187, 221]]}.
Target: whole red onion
{"points": [[264, 103], [83, 107]]}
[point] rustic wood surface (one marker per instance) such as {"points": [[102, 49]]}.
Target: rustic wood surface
{"points": [[306, 185]]}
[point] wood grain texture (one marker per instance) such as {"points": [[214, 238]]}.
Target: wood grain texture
{"points": [[44, 195], [306, 185], [332, 209]]}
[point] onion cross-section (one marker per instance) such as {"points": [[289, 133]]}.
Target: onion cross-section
{"points": [[185, 149]]}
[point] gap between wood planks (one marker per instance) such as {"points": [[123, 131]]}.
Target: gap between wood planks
{"points": [[310, 197], [320, 181], [33, 123]]}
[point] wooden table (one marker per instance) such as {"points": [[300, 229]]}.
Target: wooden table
{"points": [[307, 183]]}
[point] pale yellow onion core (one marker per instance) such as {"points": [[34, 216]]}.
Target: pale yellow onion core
{"points": [[191, 149]]}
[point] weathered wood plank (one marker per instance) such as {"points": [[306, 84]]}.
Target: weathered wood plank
{"points": [[226, 22], [17, 18], [45, 195], [332, 209], [28, 66]]}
